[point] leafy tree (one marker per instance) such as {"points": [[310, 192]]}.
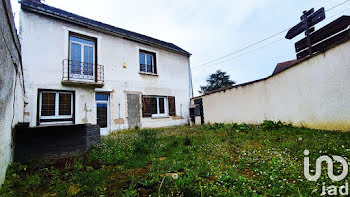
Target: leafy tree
{"points": [[217, 80]]}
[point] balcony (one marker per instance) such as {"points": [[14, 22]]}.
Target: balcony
{"points": [[82, 74]]}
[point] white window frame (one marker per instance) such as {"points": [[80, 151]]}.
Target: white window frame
{"points": [[158, 114], [152, 66], [82, 56], [103, 102], [56, 116]]}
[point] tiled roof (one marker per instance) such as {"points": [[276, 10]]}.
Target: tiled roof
{"points": [[284, 66], [74, 18]]}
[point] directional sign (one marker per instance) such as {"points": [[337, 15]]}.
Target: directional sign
{"points": [[312, 19], [308, 13], [316, 17]]}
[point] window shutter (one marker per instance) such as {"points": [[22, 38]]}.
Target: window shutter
{"points": [[155, 63], [146, 106], [172, 108]]}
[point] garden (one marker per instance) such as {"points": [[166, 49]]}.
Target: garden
{"points": [[208, 160]]}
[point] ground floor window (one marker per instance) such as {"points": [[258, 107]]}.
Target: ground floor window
{"points": [[55, 106], [158, 106]]}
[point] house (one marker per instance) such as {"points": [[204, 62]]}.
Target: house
{"points": [[79, 71], [311, 91], [11, 85]]}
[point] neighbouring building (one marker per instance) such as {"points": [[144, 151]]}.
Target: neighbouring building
{"points": [[79, 70], [11, 85], [311, 91]]}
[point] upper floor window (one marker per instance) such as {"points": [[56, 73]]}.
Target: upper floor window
{"points": [[148, 62], [82, 56]]}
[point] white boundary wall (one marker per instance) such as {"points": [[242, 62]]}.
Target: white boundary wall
{"points": [[314, 93]]}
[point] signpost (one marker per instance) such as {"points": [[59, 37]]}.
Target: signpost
{"points": [[308, 20]]}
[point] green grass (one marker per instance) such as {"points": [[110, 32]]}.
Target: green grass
{"points": [[210, 160]]}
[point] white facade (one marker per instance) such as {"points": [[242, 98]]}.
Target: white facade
{"points": [[45, 44], [314, 93]]}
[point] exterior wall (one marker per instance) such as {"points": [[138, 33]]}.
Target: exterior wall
{"points": [[11, 85], [45, 44], [315, 93]]}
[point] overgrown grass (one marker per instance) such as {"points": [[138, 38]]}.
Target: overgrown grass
{"points": [[209, 160]]}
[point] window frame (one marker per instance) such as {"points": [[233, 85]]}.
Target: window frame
{"points": [[94, 49], [108, 107], [166, 110], [56, 118], [154, 62]]}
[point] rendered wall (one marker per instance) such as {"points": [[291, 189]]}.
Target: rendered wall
{"points": [[315, 93], [45, 44], [11, 86]]}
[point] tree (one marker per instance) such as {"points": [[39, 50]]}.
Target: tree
{"points": [[217, 80]]}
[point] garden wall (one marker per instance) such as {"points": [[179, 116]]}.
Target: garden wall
{"points": [[315, 93], [11, 85], [54, 142]]}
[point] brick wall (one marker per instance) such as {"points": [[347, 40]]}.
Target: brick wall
{"points": [[54, 142]]}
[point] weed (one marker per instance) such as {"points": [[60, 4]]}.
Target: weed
{"points": [[269, 125]]}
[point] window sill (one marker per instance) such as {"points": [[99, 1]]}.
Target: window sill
{"points": [[49, 124], [147, 73], [160, 117]]}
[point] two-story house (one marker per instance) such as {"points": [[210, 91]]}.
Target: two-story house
{"points": [[79, 70]]}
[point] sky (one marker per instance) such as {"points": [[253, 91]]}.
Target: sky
{"points": [[211, 29]]}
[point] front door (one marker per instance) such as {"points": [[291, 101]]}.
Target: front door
{"points": [[133, 110], [102, 112]]}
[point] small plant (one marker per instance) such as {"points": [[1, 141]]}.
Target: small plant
{"points": [[33, 181], [187, 141], [146, 141], [269, 125], [242, 128]]}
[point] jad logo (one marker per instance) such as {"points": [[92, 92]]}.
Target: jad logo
{"points": [[332, 189]]}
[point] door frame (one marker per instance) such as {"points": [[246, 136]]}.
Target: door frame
{"points": [[107, 130]]}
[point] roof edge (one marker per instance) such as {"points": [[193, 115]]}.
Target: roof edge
{"points": [[28, 7]]}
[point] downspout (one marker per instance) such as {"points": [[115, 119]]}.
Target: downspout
{"points": [[190, 79]]}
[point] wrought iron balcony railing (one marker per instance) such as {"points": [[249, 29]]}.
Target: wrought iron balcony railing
{"points": [[82, 73]]}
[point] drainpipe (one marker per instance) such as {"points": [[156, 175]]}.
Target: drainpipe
{"points": [[190, 79], [189, 85]]}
